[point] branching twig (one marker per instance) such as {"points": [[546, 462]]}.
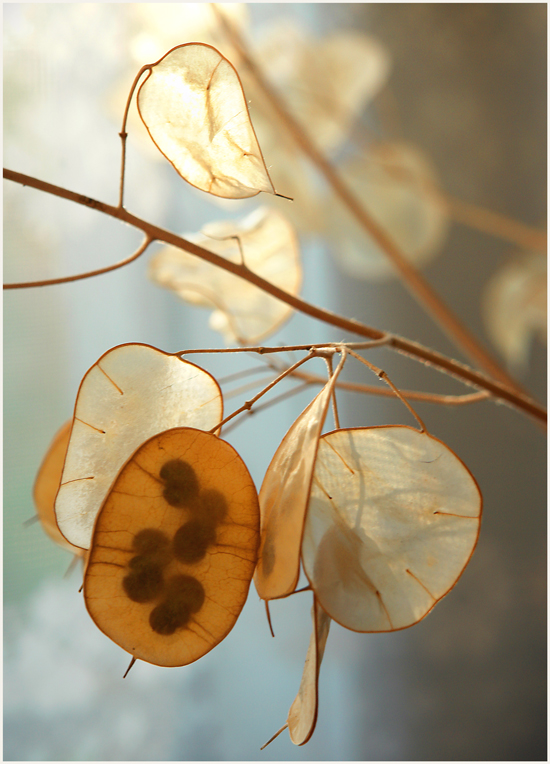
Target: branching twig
{"points": [[412, 279], [478, 380]]}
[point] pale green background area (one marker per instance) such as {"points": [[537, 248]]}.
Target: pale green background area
{"points": [[466, 683]]}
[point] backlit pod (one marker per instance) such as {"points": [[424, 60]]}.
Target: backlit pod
{"points": [[174, 548]]}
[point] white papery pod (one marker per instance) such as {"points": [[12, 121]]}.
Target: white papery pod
{"points": [[397, 185], [392, 521], [515, 307], [193, 105], [242, 312], [131, 393]]}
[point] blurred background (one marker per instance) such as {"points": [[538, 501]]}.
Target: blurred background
{"points": [[457, 92]]}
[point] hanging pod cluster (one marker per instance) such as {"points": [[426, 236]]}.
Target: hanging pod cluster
{"points": [[383, 521], [163, 511]]}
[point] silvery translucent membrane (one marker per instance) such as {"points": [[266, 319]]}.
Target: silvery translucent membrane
{"points": [[242, 311], [302, 716], [131, 393], [193, 105], [392, 521]]}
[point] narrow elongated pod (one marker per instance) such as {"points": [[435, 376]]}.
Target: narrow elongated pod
{"points": [[392, 522], [132, 392], [46, 487], [174, 548], [302, 716], [284, 497]]}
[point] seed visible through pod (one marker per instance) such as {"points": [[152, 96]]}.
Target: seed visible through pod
{"points": [[169, 616], [211, 506], [181, 481], [192, 540], [185, 589], [144, 582]]}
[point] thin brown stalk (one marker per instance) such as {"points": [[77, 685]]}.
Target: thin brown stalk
{"points": [[412, 279], [124, 135], [248, 386], [264, 350], [268, 404], [333, 395], [469, 376], [66, 279], [247, 405], [382, 374], [412, 395], [497, 225]]}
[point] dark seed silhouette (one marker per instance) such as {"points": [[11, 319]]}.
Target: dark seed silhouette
{"points": [[150, 540], [185, 589], [192, 540], [182, 485], [169, 616], [144, 582], [212, 506]]}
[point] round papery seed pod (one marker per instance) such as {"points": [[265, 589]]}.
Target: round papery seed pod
{"points": [[196, 604]]}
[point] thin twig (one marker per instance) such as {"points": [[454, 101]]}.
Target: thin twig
{"points": [[333, 394], [124, 135], [495, 224], [273, 402], [382, 374], [247, 386], [467, 375], [468, 214], [248, 404], [265, 350], [66, 279], [412, 395], [240, 374], [271, 739]]}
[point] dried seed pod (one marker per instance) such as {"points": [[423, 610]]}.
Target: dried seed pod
{"points": [[131, 393], [284, 496], [302, 716], [193, 105], [392, 522], [162, 605], [46, 487], [241, 311]]}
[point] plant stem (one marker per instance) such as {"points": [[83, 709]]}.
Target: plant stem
{"points": [[124, 135], [412, 349], [66, 279], [412, 279], [495, 224]]}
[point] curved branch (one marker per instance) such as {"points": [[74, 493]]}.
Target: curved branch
{"points": [[411, 278], [65, 279], [478, 380]]}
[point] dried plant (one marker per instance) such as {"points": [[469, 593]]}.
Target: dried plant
{"points": [[141, 484]]}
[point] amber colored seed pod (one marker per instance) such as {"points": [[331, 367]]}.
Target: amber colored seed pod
{"points": [[168, 582]]}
